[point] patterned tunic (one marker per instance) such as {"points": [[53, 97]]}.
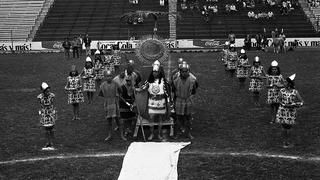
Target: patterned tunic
{"points": [[273, 92], [224, 57], [255, 84], [232, 60], [157, 97], [48, 115], [99, 68], [89, 83], [110, 92], [183, 92], [108, 63], [287, 115], [75, 94], [116, 58], [242, 68]]}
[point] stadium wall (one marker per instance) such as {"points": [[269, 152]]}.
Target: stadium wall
{"points": [[51, 46]]}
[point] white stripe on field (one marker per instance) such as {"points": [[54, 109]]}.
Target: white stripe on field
{"points": [[237, 154]]}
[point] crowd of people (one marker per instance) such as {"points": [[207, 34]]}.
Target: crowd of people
{"points": [[103, 73], [282, 96], [76, 45]]}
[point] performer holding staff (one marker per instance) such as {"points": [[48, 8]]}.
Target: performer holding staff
{"points": [[290, 100], [159, 97], [256, 74], [48, 114], [75, 95], [275, 82], [88, 76]]}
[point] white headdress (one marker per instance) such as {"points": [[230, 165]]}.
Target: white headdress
{"points": [[242, 51], [97, 52], [155, 67], [88, 59], [274, 63], [292, 77], [156, 63], [44, 86], [256, 59]]}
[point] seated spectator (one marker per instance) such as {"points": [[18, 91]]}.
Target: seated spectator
{"points": [[161, 2], [271, 3], [215, 9], [284, 8], [270, 15], [233, 7], [184, 6], [251, 14], [262, 15], [250, 4], [247, 42], [227, 8]]}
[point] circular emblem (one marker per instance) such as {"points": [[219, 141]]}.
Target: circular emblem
{"points": [[151, 49], [155, 89]]}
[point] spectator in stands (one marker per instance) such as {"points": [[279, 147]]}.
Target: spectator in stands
{"points": [[258, 40], [265, 41], [232, 38], [271, 3], [247, 42], [284, 8], [161, 2], [87, 43], [270, 15], [205, 14], [251, 14], [227, 8], [67, 46], [80, 44], [233, 8], [75, 48]]}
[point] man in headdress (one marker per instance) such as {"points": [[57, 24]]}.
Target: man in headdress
{"points": [[131, 73], [290, 100], [127, 99], [110, 91], [184, 88], [176, 70]]}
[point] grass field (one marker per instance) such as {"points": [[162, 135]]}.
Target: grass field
{"points": [[225, 120]]}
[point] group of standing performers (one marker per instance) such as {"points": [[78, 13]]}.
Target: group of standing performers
{"points": [[118, 88], [282, 96]]}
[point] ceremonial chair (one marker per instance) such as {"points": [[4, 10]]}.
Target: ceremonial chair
{"points": [[141, 102]]}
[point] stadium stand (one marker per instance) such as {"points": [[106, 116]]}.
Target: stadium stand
{"points": [[192, 25], [100, 19], [18, 17]]}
